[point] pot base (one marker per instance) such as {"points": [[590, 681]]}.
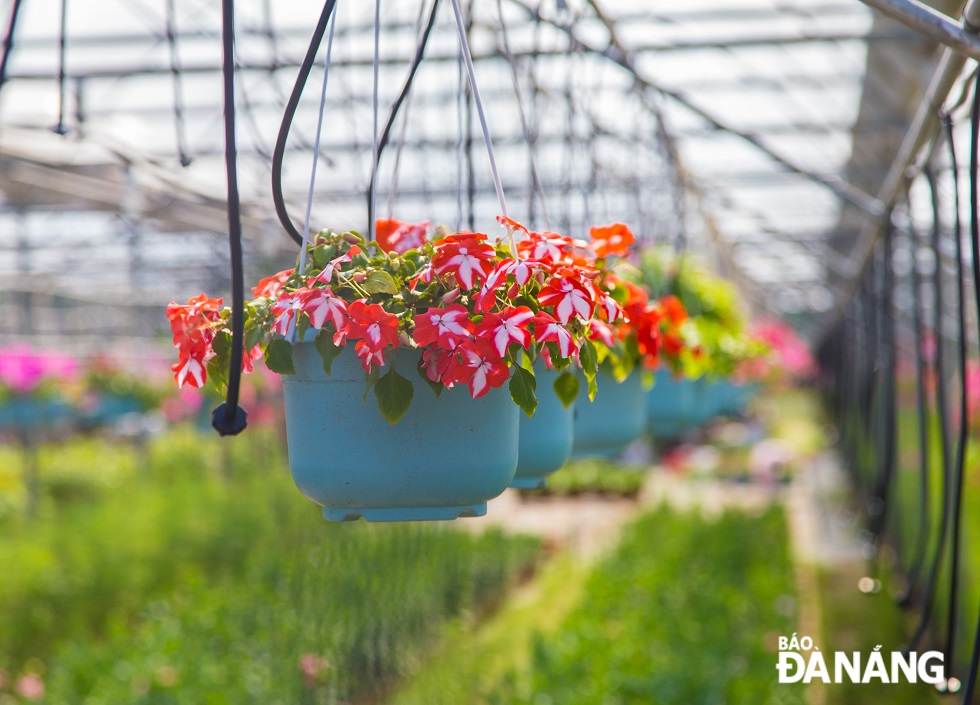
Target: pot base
{"points": [[405, 513], [528, 483]]}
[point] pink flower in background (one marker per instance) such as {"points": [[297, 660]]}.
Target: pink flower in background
{"points": [[314, 670], [23, 369], [186, 403], [30, 687], [973, 389], [792, 354]]}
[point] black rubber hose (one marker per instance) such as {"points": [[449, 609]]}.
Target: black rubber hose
{"points": [[289, 114], [943, 409], [229, 419]]}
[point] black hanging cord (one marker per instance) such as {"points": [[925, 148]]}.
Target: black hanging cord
{"points": [[60, 128], [229, 419], [943, 409], [8, 41], [922, 418], [886, 406], [292, 104], [971, 678], [177, 80], [957, 479], [397, 105]]}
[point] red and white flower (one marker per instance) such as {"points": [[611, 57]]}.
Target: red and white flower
{"points": [[286, 310], [549, 330], [603, 332], [369, 355], [508, 326], [327, 274], [446, 327], [547, 246], [397, 236], [568, 297], [466, 256], [190, 370], [270, 286], [482, 368], [371, 324], [441, 365], [321, 305]]}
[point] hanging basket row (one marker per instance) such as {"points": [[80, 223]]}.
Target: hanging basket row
{"points": [[434, 325]]}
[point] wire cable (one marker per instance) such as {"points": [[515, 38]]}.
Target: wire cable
{"points": [[468, 60], [177, 81], [397, 105], [372, 192], [536, 187], [303, 254], [60, 128]]}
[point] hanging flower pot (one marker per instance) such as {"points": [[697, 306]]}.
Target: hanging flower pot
{"points": [[668, 403], [460, 313], [443, 460], [25, 412], [545, 437], [613, 420]]}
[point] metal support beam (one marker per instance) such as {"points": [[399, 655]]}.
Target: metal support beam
{"points": [[961, 36], [922, 131]]}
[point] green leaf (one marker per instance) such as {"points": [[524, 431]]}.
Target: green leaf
{"points": [[394, 394], [593, 388], [302, 325], [522, 386], [328, 351], [218, 372], [566, 387], [279, 356], [222, 344], [590, 360], [434, 386], [323, 254], [370, 379], [253, 336], [379, 282], [524, 360]]}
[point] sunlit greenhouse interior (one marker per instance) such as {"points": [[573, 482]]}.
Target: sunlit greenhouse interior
{"points": [[532, 352]]}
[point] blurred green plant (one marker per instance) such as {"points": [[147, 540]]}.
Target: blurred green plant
{"points": [[683, 611], [593, 476], [716, 327], [205, 577]]}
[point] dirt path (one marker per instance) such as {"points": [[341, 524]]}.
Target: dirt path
{"points": [[584, 525]]}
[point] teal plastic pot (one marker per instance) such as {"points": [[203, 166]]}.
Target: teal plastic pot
{"points": [[704, 404], [109, 408], [546, 437], [613, 420], [443, 460], [666, 405], [27, 413]]}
